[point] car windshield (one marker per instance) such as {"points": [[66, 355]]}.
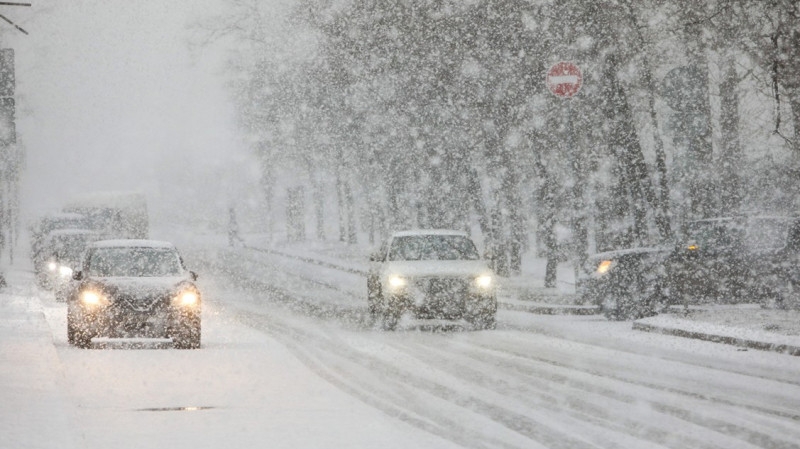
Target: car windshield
{"points": [[764, 234], [433, 247], [69, 247], [714, 234], [134, 262], [759, 234]]}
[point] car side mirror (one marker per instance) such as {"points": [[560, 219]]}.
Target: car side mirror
{"points": [[193, 275], [77, 275], [376, 257]]}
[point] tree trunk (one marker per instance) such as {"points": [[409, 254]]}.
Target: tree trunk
{"points": [[267, 187], [319, 206], [548, 231], [701, 184], [352, 236], [663, 197], [731, 154], [341, 204], [625, 144], [794, 100]]}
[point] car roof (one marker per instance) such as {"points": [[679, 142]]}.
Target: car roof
{"points": [[71, 231], [629, 251], [418, 232], [131, 243]]}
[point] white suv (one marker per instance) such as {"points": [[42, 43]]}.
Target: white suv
{"points": [[431, 274]]}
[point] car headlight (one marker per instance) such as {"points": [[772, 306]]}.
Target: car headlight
{"points": [[484, 281], [52, 266], [92, 298], [65, 271], [604, 266], [397, 282], [187, 298]]}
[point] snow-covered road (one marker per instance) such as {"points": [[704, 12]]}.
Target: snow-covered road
{"points": [[287, 361]]}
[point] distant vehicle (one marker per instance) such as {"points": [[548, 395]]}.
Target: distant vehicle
{"points": [[134, 288], [61, 254], [51, 222], [431, 274], [115, 215], [625, 284]]}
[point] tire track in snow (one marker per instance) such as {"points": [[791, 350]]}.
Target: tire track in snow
{"points": [[585, 394]]}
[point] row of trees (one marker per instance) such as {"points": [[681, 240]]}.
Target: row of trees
{"points": [[434, 113]]}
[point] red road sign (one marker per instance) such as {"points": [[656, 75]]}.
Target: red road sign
{"points": [[564, 79]]}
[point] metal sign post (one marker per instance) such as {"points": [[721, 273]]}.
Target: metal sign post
{"points": [[565, 79]]}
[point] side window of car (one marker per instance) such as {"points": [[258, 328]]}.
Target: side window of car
{"points": [[793, 243]]}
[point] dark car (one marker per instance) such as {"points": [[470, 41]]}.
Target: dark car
{"points": [[431, 275], [629, 283], [134, 288], [718, 260], [738, 259]]}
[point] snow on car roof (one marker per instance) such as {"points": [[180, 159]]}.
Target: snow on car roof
{"points": [[428, 232], [132, 243], [626, 251], [71, 231], [57, 215]]}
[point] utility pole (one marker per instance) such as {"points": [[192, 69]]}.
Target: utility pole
{"points": [[10, 154]]}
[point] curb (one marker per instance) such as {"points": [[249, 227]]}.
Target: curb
{"points": [[741, 342], [550, 310]]}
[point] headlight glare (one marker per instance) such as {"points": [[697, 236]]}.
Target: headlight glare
{"points": [[52, 266], [92, 298], [188, 298], [483, 281], [397, 282], [604, 266], [65, 271]]}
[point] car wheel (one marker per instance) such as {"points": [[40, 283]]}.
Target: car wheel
{"points": [[617, 309], [483, 318], [71, 331], [611, 311], [77, 334], [487, 322], [373, 301], [389, 319], [187, 334], [787, 298]]}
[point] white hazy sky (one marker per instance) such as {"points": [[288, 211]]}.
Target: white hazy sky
{"points": [[109, 98]]}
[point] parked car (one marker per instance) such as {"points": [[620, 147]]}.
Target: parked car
{"points": [[61, 254], [431, 274], [738, 259], [625, 284], [134, 288], [750, 258]]}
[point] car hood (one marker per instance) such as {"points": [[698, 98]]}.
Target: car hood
{"points": [[436, 268], [141, 286]]}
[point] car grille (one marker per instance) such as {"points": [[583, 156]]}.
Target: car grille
{"points": [[440, 298], [442, 286], [140, 303]]}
